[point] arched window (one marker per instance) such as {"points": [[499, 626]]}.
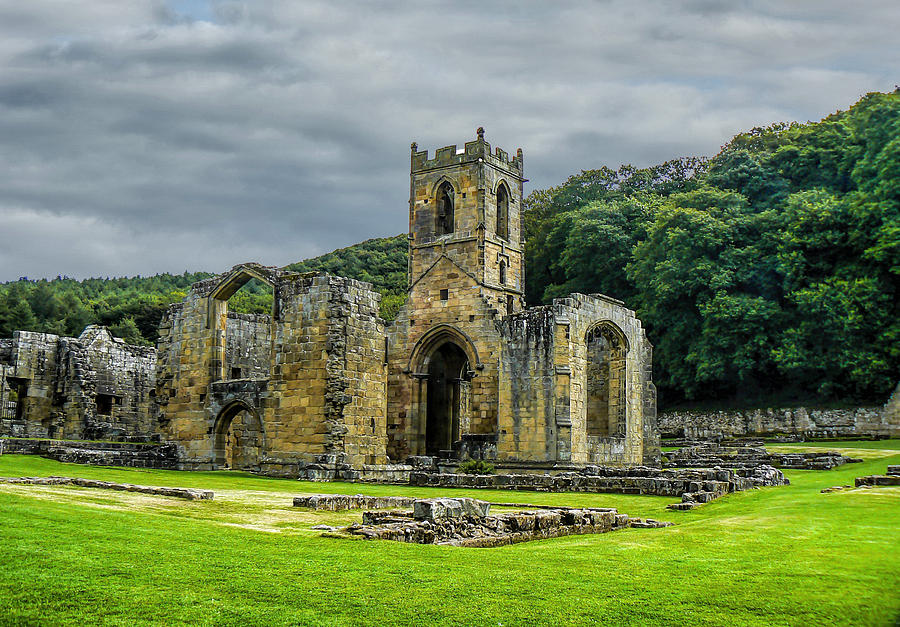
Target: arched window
{"points": [[444, 218], [605, 374], [502, 211], [502, 273]]}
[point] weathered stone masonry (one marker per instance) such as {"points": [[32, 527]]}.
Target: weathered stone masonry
{"points": [[324, 388], [91, 387]]}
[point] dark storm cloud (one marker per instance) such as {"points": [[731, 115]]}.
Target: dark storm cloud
{"points": [[148, 136]]}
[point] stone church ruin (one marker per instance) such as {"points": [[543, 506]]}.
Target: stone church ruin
{"points": [[323, 388]]}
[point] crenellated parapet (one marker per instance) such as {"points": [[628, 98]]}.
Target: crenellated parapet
{"points": [[472, 152]]}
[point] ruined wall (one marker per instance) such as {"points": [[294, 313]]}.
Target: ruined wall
{"points": [[325, 389], [529, 421], [108, 387], [808, 422], [544, 385], [248, 346], [94, 387]]}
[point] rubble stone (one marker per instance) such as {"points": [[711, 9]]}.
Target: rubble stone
{"points": [[497, 530]]}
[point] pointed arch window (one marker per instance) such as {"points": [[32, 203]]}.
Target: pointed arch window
{"points": [[502, 273], [503, 211], [444, 219]]}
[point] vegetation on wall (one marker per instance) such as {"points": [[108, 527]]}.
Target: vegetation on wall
{"points": [[769, 273]]}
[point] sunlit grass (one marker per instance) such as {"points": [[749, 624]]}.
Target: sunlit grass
{"points": [[787, 555]]}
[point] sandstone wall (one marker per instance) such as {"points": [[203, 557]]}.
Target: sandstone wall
{"points": [[322, 393], [808, 422], [94, 386], [248, 346]]}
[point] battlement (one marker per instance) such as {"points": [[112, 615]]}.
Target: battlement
{"points": [[450, 156]]}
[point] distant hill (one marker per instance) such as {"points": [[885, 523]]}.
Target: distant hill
{"points": [[132, 307]]}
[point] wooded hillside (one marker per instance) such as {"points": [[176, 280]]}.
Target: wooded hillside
{"points": [[767, 274]]}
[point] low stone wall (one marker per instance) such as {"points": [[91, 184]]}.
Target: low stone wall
{"points": [[180, 493], [809, 423], [338, 502], [877, 480], [714, 482], [475, 528], [130, 454], [709, 454]]}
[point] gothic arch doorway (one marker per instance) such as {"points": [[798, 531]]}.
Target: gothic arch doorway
{"points": [[239, 438], [447, 398]]}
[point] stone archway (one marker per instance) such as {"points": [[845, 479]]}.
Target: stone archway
{"points": [[239, 438], [442, 365]]}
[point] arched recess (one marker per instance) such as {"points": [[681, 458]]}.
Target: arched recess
{"points": [[605, 373], [502, 210], [239, 438], [255, 345], [445, 209], [442, 364]]}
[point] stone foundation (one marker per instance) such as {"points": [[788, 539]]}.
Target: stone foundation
{"points": [[179, 493], [339, 502], [636, 480], [467, 523], [710, 454], [877, 480]]}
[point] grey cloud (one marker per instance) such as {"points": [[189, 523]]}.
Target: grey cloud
{"points": [[281, 129]]}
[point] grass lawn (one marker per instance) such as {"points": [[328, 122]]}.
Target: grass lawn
{"points": [[776, 556]]}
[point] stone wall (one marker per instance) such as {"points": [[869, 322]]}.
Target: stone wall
{"points": [[633, 480], [190, 494], [323, 393], [248, 346], [131, 454], [476, 530], [807, 422], [91, 387]]}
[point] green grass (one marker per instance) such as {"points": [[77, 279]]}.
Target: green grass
{"points": [[776, 556]]}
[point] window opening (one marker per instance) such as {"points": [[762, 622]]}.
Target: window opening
{"points": [[444, 216], [502, 212], [105, 404]]}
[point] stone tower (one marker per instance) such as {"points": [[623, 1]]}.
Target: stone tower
{"points": [[466, 205]]}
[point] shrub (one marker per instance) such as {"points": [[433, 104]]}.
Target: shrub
{"points": [[476, 467]]}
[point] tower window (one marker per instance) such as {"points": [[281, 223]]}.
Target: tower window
{"points": [[502, 273], [445, 294], [444, 220], [502, 212]]}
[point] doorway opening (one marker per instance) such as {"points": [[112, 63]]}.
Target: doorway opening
{"points": [[447, 398]]}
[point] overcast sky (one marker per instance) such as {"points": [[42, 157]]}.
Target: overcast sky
{"points": [[147, 136]]}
